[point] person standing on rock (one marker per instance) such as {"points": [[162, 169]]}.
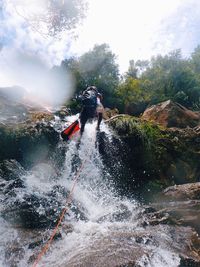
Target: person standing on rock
{"points": [[91, 101]]}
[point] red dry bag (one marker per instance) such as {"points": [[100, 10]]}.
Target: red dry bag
{"points": [[70, 130]]}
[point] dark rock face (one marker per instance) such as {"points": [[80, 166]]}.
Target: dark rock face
{"points": [[170, 114], [32, 209], [182, 203], [136, 109], [183, 192], [27, 143], [11, 170], [25, 130], [152, 158]]}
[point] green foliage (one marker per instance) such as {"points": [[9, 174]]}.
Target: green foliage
{"points": [[96, 67], [172, 77], [195, 60], [131, 91], [147, 132], [146, 82]]}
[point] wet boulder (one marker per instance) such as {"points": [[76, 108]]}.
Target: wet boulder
{"points": [[170, 114], [139, 247], [11, 170], [28, 143], [180, 204], [37, 208], [185, 192], [30, 210], [146, 158], [136, 109]]}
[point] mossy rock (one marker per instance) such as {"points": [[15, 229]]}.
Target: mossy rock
{"points": [[156, 157], [27, 143], [41, 116]]}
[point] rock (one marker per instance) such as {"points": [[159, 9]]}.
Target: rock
{"points": [[41, 116], [181, 204], [122, 214], [139, 247], [183, 192], [170, 114], [63, 112], [27, 143], [25, 131], [31, 211], [189, 263], [109, 113], [151, 158], [136, 109], [185, 213], [11, 170], [35, 208]]}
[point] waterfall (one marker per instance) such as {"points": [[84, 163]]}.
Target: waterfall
{"points": [[105, 229]]}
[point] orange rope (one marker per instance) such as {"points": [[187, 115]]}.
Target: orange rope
{"points": [[68, 201]]}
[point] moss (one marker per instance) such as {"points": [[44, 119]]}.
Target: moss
{"points": [[41, 116], [27, 143], [148, 132], [156, 157]]}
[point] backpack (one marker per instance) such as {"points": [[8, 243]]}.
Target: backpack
{"points": [[89, 98]]}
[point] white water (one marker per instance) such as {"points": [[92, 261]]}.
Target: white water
{"points": [[101, 240]]}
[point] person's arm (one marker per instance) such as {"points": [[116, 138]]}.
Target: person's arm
{"points": [[100, 96]]}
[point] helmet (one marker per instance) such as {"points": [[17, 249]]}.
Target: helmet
{"points": [[92, 88]]}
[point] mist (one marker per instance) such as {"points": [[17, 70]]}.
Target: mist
{"points": [[28, 58], [45, 86]]}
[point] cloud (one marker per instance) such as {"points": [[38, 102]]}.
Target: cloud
{"points": [[181, 29], [130, 27]]}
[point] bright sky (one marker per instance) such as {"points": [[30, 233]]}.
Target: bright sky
{"points": [[134, 29], [139, 29], [130, 27]]}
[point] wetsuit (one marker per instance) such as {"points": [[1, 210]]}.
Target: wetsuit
{"points": [[89, 109]]}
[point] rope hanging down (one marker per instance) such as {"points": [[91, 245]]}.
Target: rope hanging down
{"points": [[68, 201]]}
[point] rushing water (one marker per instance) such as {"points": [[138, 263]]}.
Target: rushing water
{"points": [[109, 235]]}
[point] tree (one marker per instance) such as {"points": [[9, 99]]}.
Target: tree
{"points": [[136, 68], [49, 16], [171, 77], [195, 60], [98, 67], [132, 95], [132, 70]]}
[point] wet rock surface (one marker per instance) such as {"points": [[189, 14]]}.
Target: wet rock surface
{"points": [[180, 205], [131, 247], [183, 192], [146, 157], [153, 157], [28, 207], [27, 143]]}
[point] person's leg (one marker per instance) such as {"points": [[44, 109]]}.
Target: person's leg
{"points": [[100, 116], [83, 120]]}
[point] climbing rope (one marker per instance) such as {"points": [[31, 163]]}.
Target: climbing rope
{"points": [[60, 218]]}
